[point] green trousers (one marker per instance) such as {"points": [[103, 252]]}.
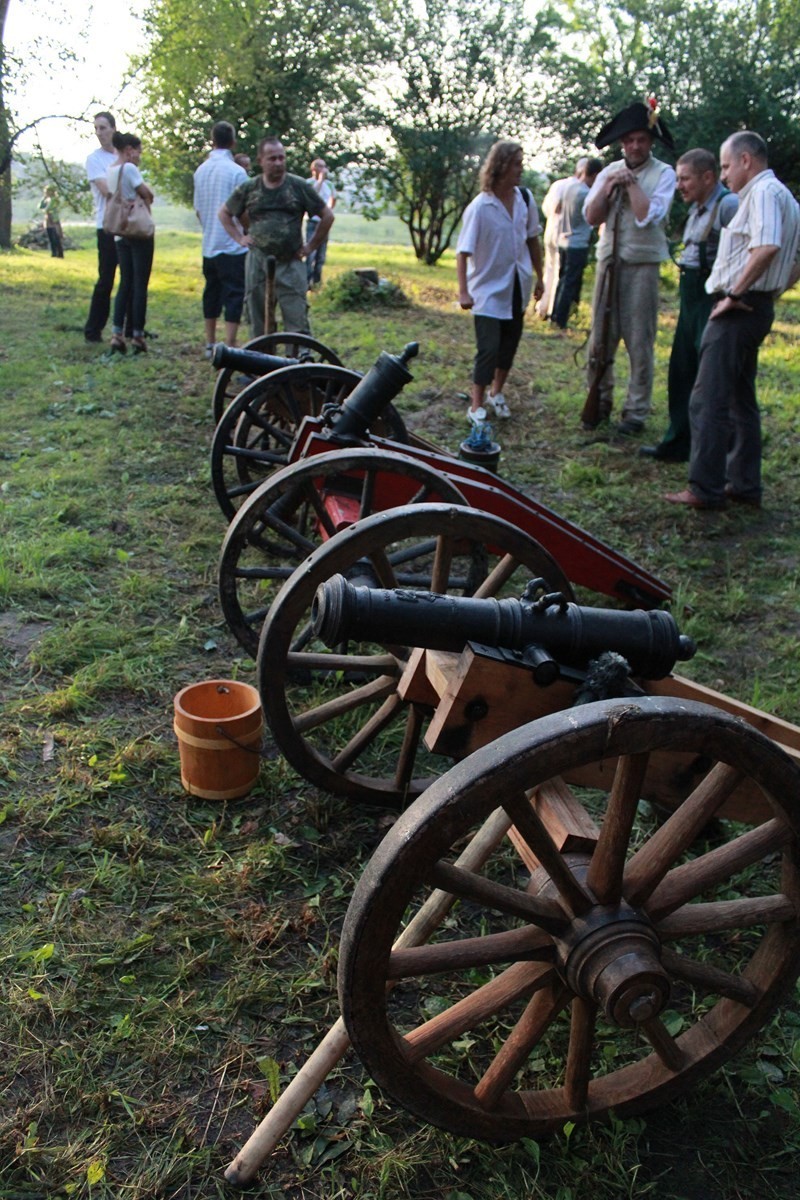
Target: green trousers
{"points": [[695, 307], [291, 285]]}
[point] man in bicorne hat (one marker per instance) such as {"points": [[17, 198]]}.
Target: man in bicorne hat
{"points": [[630, 199]]}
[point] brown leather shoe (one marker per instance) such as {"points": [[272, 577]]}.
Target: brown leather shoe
{"points": [[688, 498]]}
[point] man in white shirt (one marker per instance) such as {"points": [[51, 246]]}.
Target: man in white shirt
{"points": [[630, 199], [757, 259], [97, 164], [497, 254], [223, 258]]}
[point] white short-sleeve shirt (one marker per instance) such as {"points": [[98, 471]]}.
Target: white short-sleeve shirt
{"points": [[496, 242]]}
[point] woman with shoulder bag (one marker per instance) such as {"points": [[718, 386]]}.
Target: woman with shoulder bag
{"points": [[128, 217]]}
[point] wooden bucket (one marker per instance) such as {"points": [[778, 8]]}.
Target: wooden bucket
{"points": [[219, 726]]}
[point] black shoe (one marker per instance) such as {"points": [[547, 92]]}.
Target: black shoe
{"points": [[92, 337], [627, 428], [663, 453]]}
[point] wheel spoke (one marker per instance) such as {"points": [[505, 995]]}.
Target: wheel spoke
{"points": [[497, 896], [383, 568], [579, 1056], [725, 915], [531, 828], [517, 982], [693, 878], [371, 728], [710, 980], [294, 536], [367, 498], [442, 562], [604, 877], [540, 1012], [313, 497], [497, 577], [312, 718], [511, 945], [650, 864], [472, 858], [407, 757], [663, 1043], [360, 664]]}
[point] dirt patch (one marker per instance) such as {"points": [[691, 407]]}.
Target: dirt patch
{"points": [[18, 636]]}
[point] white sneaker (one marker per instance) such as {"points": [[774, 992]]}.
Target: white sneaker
{"points": [[476, 415], [498, 403]]}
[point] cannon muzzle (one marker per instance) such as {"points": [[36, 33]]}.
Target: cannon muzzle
{"points": [[570, 634], [249, 362]]}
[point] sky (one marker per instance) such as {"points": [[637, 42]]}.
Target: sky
{"points": [[102, 37]]}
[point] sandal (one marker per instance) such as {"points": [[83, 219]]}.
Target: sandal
{"points": [[118, 344], [139, 344]]}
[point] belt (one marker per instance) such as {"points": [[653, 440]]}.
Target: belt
{"points": [[751, 298]]}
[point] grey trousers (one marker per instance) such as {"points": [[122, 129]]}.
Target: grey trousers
{"points": [[723, 410], [291, 285], [633, 320]]}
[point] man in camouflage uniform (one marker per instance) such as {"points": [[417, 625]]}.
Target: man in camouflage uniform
{"points": [[272, 207]]}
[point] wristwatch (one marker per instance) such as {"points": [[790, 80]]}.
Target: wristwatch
{"points": [[733, 295]]}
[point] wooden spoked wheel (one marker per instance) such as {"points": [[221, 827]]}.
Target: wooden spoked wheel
{"points": [[285, 345], [300, 507], [338, 716], [256, 431], [587, 963]]}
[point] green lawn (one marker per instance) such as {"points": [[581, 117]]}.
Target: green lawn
{"points": [[170, 962]]}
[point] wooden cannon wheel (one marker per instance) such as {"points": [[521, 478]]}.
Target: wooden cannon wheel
{"points": [[591, 963], [285, 519], [338, 716], [256, 431], [284, 345]]}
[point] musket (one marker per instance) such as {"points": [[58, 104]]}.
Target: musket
{"points": [[590, 417], [270, 297]]}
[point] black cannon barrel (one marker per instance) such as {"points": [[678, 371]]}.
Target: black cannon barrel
{"points": [[382, 382], [572, 634], [249, 362]]}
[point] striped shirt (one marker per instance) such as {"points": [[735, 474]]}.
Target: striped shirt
{"points": [[768, 215], [214, 180]]}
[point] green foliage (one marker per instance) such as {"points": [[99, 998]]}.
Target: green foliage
{"points": [[350, 291], [714, 67], [462, 70], [285, 69]]}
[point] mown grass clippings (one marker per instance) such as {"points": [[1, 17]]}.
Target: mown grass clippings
{"points": [[169, 963]]}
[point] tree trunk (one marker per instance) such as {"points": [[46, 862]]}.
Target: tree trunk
{"points": [[5, 140]]}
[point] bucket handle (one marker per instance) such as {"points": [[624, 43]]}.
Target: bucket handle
{"points": [[223, 733]]}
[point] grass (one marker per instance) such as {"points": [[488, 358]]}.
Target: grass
{"points": [[169, 963]]}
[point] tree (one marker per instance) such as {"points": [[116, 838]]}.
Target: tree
{"points": [[43, 54], [460, 81], [714, 66], [284, 67]]}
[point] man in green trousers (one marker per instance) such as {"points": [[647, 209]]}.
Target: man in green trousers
{"points": [[711, 208]]}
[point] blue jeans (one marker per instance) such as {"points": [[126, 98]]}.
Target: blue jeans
{"points": [[570, 278], [316, 259]]}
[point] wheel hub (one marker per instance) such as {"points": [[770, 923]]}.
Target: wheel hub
{"points": [[610, 956]]}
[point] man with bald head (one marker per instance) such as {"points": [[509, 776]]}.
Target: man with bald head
{"points": [[756, 261]]}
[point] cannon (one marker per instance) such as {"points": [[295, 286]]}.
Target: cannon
{"points": [[291, 348], [290, 483], [548, 630], [535, 942], [256, 433]]}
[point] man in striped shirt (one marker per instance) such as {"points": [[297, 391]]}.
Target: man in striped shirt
{"points": [[756, 261]]}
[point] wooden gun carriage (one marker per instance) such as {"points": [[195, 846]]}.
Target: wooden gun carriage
{"points": [[597, 905]]}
